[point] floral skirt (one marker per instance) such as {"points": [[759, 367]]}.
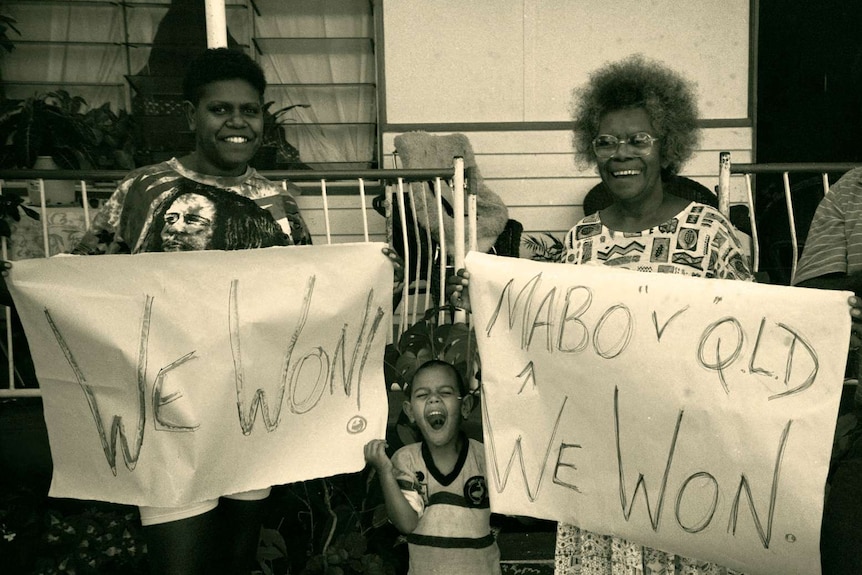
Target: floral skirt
{"points": [[581, 552]]}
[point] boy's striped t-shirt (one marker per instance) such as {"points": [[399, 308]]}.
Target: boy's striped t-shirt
{"points": [[453, 534]]}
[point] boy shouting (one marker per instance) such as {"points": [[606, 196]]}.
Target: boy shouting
{"points": [[435, 489]]}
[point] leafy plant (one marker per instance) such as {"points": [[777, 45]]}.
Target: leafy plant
{"points": [[112, 138], [544, 249], [44, 536], [274, 147], [101, 539], [9, 209], [7, 23], [333, 526], [427, 339], [64, 127]]}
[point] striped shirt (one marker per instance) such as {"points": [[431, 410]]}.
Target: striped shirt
{"points": [[453, 536], [834, 243]]}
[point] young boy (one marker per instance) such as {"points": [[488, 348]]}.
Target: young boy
{"points": [[435, 489]]}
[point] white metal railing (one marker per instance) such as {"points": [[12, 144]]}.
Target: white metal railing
{"points": [[397, 197], [747, 172]]}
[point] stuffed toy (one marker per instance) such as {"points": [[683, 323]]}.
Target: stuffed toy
{"points": [[418, 150]]}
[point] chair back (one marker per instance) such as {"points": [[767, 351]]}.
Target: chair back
{"points": [[780, 216]]}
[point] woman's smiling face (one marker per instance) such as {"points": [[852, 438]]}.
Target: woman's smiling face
{"points": [[627, 176], [228, 126]]}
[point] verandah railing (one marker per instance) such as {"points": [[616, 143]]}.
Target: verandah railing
{"points": [[393, 183]]}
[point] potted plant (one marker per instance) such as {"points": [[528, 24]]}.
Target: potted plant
{"points": [[544, 249], [112, 142], [428, 339], [7, 23], [64, 127], [274, 148]]}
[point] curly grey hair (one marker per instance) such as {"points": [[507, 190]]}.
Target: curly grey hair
{"points": [[637, 82]]}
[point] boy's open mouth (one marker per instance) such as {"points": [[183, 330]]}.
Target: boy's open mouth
{"points": [[436, 418]]}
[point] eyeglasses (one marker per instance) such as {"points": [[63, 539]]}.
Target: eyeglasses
{"points": [[606, 146]]}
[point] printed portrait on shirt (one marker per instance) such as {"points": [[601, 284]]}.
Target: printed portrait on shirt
{"points": [[199, 217]]}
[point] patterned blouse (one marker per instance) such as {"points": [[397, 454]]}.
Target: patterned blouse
{"points": [[698, 241]]}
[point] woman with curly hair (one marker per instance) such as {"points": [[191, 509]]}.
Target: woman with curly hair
{"points": [[637, 121]]}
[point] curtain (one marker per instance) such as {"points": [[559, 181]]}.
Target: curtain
{"points": [[319, 42], [322, 42], [75, 63]]}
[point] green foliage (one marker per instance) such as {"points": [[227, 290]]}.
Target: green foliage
{"points": [[97, 540], [64, 127], [42, 536], [274, 146], [9, 209], [329, 526], [544, 249], [112, 138], [454, 343], [7, 23]]}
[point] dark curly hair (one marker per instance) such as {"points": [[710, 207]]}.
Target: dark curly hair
{"points": [[637, 82], [218, 64]]}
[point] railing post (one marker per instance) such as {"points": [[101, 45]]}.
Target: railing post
{"points": [[724, 184], [458, 209], [444, 256], [791, 222], [405, 290], [472, 208]]}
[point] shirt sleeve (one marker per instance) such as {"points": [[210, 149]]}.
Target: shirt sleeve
{"points": [[825, 249], [103, 237], [298, 229], [405, 475]]}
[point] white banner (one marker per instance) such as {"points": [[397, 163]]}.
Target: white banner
{"points": [[689, 415], [174, 378]]}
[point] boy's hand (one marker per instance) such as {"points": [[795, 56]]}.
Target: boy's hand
{"points": [[375, 454], [456, 289], [398, 264]]}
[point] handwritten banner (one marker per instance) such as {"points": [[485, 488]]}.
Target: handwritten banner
{"points": [[690, 415], [174, 378]]}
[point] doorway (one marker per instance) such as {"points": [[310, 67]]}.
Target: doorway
{"points": [[809, 96], [809, 109]]}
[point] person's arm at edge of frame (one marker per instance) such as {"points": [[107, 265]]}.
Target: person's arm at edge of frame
{"points": [[401, 514], [5, 296], [843, 282], [835, 281]]}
